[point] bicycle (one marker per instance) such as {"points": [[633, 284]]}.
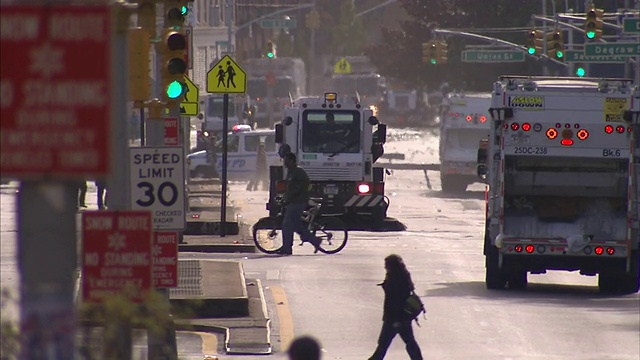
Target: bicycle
{"points": [[331, 231]]}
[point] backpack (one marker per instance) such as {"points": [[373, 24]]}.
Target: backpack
{"points": [[413, 307]]}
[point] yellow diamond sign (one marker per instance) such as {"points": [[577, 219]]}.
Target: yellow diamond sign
{"points": [[343, 66], [226, 77]]}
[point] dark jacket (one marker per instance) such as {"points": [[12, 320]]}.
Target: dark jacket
{"points": [[397, 288], [297, 191]]}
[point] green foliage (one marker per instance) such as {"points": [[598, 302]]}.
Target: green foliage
{"points": [[399, 55], [349, 35]]}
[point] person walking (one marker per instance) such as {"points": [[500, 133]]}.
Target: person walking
{"points": [[304, 348], [397, 286], [260, 175], [295, 201], [101, 186]]}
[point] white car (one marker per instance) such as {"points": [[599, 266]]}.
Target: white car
{"points": [[241, 159]]}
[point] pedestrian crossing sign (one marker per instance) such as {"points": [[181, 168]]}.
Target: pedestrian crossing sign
{"points": [[226, 77], [343, 66]]}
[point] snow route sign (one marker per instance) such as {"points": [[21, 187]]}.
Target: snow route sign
{"points": [[55, 90], [116, 256], [157, 185]]}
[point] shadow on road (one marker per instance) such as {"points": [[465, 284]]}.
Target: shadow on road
{"points": [[467, 195]]}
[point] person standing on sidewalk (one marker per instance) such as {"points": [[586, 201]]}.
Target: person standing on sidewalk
{"points": [[296, 200], [82, 193], [304, 348], [101, 185], [397, 286], [260, 177]]}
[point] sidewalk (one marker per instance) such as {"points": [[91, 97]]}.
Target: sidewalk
{"points": [[214, 295]]}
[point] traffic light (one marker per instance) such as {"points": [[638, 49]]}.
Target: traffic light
{"points": [[271, 50], [442, 50], [174, 66], [593, 23], [175, 13], [312, 20], [555, 45], [430, 52], [138, 64], [580, 71], [535, 42]]}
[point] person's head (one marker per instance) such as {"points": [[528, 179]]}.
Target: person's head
{"points": [[394, 264], [331, 120], [304, 348], [290, 160]]}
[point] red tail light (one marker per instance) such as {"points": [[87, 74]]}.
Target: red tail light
{"points": [[611, 250], [583, 134], [483, 118], [552, 133], [566, 142], [469, 118], [530, 249], [364, 188], [515, 126], [608, 129], [518, 248], [599, 250], [526, 126], [620, 129]]}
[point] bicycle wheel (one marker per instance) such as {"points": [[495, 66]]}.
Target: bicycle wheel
{"points": [[266, 236], [332, 233]]}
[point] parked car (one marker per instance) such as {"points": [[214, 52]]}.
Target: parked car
{"points": [[241, 159]]}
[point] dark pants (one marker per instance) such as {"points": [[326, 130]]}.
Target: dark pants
{"points": [[293, 223], [389, 331], [82, 193], [102, 194]]}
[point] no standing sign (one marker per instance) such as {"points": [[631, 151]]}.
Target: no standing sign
{"points": [[157, 185]]}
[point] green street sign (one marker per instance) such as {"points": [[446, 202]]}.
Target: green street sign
{"points": [[492, 56], [612, 49], [278, 23], [579, 56], [631, 25]]}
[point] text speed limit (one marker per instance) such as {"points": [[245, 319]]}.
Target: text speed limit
{"points": [[157, 185]]}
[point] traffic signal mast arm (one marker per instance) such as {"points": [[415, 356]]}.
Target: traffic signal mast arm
{"points": [[493, 41]]}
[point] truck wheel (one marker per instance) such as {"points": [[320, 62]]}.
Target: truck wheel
{"points": [[517, 279], [494, 276], [453, 183], [630, 282]]}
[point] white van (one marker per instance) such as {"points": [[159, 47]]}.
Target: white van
{"points": [[241, 159]]}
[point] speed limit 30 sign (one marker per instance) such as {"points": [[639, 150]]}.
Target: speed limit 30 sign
{"points": [[157, 185]]}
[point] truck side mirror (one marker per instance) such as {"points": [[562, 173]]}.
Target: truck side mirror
{"points": [[279, 134], [382, 134]]}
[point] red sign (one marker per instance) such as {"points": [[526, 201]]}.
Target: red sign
{"points": [[171, 131], [165, 259], [116, 256], [55, 84]]}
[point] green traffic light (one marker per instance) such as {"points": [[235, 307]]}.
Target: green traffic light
{"points": [[174, 90], [531, 50], [591, 34], [184, 10], [559, 54], [580, 72], [433, 61], [270, 55]]}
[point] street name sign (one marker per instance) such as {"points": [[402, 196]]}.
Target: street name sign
{"points": [[579, 56], [157, 184], [611, 49], [55, 82], [116, 255], [226, 77], [492, 56], [278, 23], [165, 259], [631, 25]]}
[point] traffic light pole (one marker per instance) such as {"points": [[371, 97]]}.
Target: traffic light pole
{"points": [[494, 41]]}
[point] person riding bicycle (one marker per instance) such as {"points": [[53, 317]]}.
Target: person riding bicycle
{"points": [[295, 201]]}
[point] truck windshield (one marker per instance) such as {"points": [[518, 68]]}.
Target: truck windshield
{"points": [[214, 108], [331, 131]]}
